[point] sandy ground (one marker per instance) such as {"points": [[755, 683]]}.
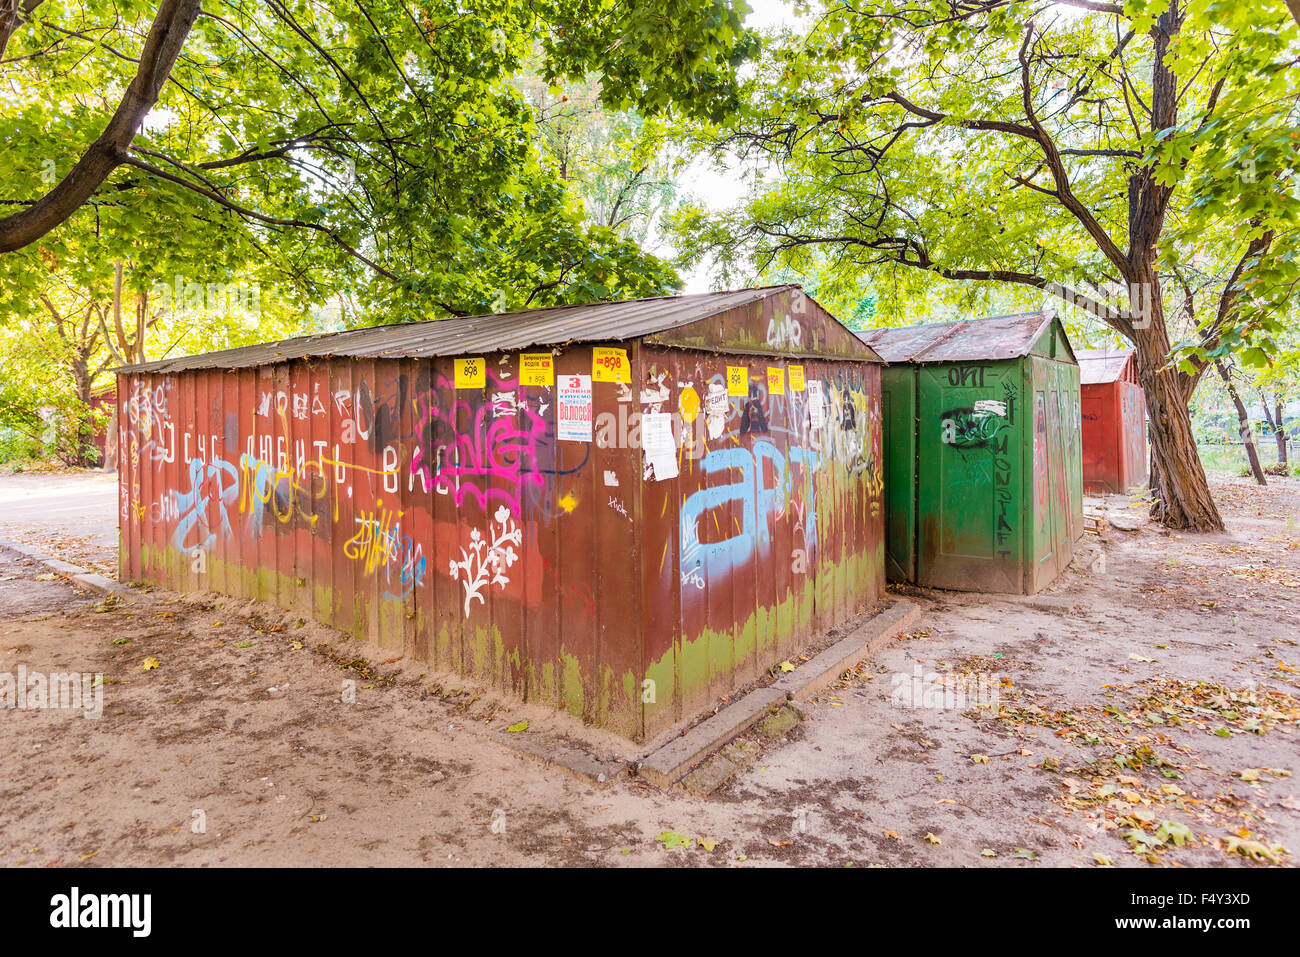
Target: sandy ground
{"points": [[1146, 716]]}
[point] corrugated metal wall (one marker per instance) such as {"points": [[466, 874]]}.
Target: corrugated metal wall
{"points": [[1057, 475], [771, 532], [992, 451], [1114, 436], [455, 524]]}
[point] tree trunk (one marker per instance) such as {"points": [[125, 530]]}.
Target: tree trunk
{"points": [[1275, 423], [141, 311], [1182, 492], [1243, 424], [1279, 433], [83, 438]]}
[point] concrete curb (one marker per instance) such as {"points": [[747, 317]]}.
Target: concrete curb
{"points": [[577, 762], [822, 671], [74, 573], [665, 766], [668, 764]]}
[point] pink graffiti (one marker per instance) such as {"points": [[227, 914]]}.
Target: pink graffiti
{"points": [[494, 459]]}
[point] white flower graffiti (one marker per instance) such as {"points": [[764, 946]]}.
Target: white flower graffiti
{"points": [[485, 563]]}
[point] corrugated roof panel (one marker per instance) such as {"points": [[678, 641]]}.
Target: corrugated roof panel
{"points": [[1101, 365], [965, 340], [472, 335], [902, 343]]}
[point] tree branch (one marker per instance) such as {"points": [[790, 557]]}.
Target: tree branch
{"points": [[170, 28], [254, 214], [1056, 166], [14, 13]]}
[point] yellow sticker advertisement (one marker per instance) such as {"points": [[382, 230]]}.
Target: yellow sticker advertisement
{"points": [[536, 368], [775, 381], [796, 378], [737, 380], [610, 365], [688, 404], [469, 373]]}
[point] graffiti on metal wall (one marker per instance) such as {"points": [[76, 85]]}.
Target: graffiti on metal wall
{"points": [[294, 461], [983, 432]]}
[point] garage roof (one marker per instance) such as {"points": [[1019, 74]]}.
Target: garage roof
{"points": [[494, 332]]}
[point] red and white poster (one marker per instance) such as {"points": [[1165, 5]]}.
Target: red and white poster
{"points": [[573, 408]]}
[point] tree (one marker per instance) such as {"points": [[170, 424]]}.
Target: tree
{"points": [[622, 165], [366, 146], [1053, 148], [171, 25], [1244, 427], [1276, 385]]}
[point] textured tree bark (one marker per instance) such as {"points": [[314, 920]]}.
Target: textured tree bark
{"points": [[1182, 492], [170, 28], [1178, 482]]}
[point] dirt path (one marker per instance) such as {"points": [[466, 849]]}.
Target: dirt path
{"points": [[1152, 705]]}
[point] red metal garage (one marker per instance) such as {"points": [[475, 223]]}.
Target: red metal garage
{"points": [[626, 510], [1114, 421]]}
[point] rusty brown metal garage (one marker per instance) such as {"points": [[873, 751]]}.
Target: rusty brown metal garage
{"points": [[626, 510]]}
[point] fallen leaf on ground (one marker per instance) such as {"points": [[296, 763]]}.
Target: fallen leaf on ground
{"points": [[1255, 850], [671, 839]]}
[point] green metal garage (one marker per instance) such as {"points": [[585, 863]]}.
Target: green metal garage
{"points": [[983, 465]]}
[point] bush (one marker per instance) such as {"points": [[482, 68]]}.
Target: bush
{"points": [[16, 445], [34, 427]]}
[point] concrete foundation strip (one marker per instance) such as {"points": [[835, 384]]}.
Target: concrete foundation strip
{"points": [[671, 762], [75, 573]]}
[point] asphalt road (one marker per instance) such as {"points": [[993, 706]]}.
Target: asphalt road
{"points": [[82, 505]]}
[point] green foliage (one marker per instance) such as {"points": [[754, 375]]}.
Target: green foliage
{"points": [[322, 165], [1241, 178], [40, 418], [376, 151], [620, 164], [893, 148]]}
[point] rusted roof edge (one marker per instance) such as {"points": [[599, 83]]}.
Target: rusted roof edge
{"points": [[211, 360]]}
